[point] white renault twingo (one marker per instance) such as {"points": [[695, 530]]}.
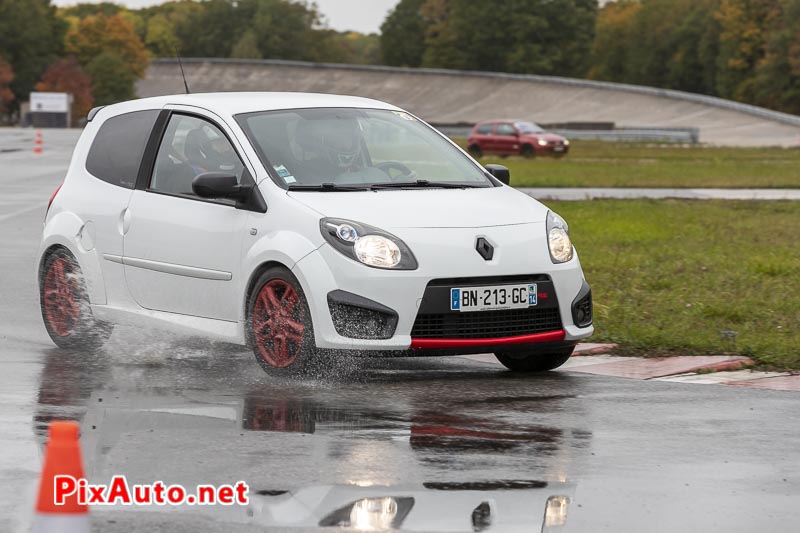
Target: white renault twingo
{"points": [[303, 224]]}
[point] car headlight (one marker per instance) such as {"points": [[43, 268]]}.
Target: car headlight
{"points": [[555, 512], [566, 142], [542, 142], [558, 240], [367, 245], [371, 514]]}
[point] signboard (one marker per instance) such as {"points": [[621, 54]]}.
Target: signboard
{"points": [[49, 102]]}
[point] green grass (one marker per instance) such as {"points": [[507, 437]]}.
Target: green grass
{"points": [[605, 164], [669, 276]]}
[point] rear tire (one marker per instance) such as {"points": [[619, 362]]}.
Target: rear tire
{"points": [[475, 151], [279, 327], [535, 362], [64, 304]]}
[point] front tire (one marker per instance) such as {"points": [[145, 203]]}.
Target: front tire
{"points": [[65, 305], [279, 329], [528, 151], [534, 362]]}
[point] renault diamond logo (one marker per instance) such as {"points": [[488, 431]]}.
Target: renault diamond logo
{"points": [[484, 248]]}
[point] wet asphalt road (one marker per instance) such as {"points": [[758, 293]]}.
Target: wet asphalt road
{"points": [[449, 433]]}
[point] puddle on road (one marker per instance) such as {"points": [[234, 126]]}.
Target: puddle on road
{"points": [[418, 441]]}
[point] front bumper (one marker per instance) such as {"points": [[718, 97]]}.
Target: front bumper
{"points": [[442, 253], [552, 149]]}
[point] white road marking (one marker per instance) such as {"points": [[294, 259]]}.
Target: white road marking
{"points": [[21, 212]]}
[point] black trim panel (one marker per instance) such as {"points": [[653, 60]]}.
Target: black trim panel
{"points": [[356, 317], [583, 298], [151, 150]]}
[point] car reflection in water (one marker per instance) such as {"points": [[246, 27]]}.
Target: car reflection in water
{"points": [[393, 448], [504, 505], [486, 505]]}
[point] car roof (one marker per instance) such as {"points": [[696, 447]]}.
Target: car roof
{"points": [[233, 103], [501, 121]]}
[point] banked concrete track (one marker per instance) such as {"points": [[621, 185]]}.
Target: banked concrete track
{"points": [[446, 96]]}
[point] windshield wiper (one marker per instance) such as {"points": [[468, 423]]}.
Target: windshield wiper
{"points": [[423, 184], [327, 187]]}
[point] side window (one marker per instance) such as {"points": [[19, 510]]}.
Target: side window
{"points": [[192, 146], [506, 129], [485, 129], [118, 146]]}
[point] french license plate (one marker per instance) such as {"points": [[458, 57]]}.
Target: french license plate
{"points": [[559, 148], [493, 297]]}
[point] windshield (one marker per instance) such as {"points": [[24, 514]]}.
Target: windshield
{"points": [[356, 148], [528, 127]]}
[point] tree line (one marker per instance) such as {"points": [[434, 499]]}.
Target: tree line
{"points": [[98, 51], [746, 50]]}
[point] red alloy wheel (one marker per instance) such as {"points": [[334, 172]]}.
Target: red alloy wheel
{"points": [[278, 323], [61, 297]]}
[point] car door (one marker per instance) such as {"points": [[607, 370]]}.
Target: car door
{"points": [[483, 136], [182, 253], [112, 168], [507, 139]]}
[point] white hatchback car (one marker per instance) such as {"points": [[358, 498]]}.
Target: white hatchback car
{"points": [[302, 225]]}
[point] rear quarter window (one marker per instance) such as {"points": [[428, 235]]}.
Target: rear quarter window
{"points": [[118, 146], [485, 129]]}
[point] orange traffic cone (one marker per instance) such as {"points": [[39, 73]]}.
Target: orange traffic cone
{"points": [[62, 457], [37, 148]]}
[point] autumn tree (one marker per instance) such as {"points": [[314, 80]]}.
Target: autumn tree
{"points": [[6, 77], [31, 37], [777, 74], [111, 53], [86, 9], [162, 23], [247, 46], [361, 48], [611, 49], [744, 26], [67, 76]]}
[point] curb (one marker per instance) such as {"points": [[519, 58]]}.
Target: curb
{"points": [[597, 359]]}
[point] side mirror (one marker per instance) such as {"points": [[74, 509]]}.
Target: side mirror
{"points": [[219, 185], [499, 172]]}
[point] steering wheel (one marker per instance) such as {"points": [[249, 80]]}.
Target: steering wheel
{"points": [[404, 171]]}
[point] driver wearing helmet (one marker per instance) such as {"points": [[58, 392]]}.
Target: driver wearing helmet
{"points": [[207, 151], [333, 150]]}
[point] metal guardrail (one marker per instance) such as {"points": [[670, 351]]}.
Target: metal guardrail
{"points": [[662, 135], [785, 118]]}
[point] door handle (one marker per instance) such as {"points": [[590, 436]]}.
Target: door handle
{"points": [[124, 221]]}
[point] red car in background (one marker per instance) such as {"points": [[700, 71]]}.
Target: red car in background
{"points": [[514, 137]]}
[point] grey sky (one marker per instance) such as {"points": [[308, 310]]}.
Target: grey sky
{"points": [[360, 15]]}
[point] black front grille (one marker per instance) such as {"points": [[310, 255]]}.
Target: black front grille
{"points": [[486, 324], [360, 323]]}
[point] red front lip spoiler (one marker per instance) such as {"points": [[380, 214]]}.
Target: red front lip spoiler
{"points": [[432, 344]]}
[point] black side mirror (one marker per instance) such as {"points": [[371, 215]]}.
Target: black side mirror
{"points": [[499, 172], [220, 185]]}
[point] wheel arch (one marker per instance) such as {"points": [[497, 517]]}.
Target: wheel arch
{"points": [[64, 230], [251, 282]]}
